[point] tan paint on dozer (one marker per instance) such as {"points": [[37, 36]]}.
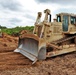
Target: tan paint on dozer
{"points": [[49, 38]]}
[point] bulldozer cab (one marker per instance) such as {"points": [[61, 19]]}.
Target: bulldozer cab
{"points": [[65, 21], [68, 22]]}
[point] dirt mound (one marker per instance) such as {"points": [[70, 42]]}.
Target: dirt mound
{"points": [[8, 42], [16, 64]]}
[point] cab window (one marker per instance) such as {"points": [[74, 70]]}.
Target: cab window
{"points": [[58, 18], [73, 20]]}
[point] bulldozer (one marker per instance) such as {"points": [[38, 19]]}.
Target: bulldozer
{"points": [[49, 38]]}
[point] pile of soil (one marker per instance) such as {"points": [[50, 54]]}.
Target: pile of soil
{"points": [[16, 64], [8, 42]]}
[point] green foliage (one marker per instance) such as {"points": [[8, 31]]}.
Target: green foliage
{"points": [[17, 29], [2, 27]]}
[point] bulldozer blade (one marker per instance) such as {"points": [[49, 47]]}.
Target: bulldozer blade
{"points": [[32, 47]]}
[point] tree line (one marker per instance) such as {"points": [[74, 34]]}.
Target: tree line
{"points": [[16, 30]]}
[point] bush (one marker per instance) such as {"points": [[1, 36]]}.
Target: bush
{"points": [[17, 29]]}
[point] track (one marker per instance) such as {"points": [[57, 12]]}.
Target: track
{"points": [[63, 39]]}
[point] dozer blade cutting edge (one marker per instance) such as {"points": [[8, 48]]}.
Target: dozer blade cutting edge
{"points": [[32, 47]]}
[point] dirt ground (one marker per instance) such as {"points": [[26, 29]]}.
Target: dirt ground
{"points": [[16, 64]]}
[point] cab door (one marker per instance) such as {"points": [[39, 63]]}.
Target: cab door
{"points": [[65, 23]]}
